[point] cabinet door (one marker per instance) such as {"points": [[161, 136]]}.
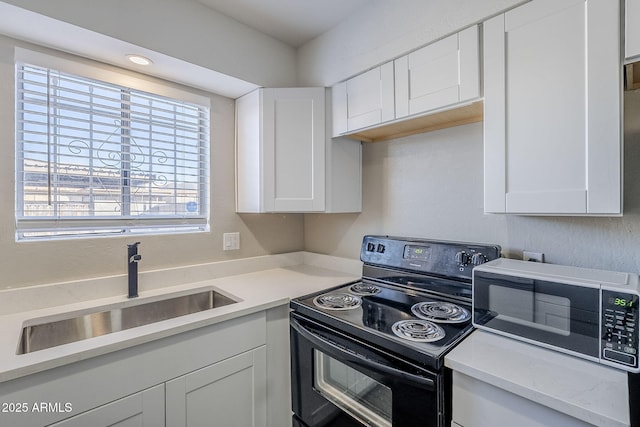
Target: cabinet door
{"points": [[552, 87], [230, 393], [438, 75], [144, 409], [632, 30], [293, 149], [479, 404], [364, 100]]}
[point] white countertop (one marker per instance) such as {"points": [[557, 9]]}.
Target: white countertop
{"points": [[582, 389], [279, 279]]}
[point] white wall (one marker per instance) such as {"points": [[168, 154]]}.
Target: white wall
{"points": [[182, 29], [430, 185], [30, 263]]}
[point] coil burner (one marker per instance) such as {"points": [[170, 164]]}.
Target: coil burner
{"points": [[441, 312], [338, 301], [364, 289], [418, 330]]}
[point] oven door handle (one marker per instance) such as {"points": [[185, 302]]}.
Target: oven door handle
{"points": [[329, 347]]}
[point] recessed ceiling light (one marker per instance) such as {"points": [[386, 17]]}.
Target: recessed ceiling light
{"points": [[140, 60]]}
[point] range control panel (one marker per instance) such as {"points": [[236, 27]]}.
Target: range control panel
{"points": [[444, 258], [620, 328]]}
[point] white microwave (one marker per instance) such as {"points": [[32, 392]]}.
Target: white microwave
{"points": [[588, 313]]}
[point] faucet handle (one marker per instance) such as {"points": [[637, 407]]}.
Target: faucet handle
{"points": [[132, 252]]}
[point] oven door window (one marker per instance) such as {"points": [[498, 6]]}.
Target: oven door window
{"points": [[361, 396]]}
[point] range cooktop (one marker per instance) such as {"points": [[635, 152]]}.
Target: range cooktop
{"points": [[414, 298]]}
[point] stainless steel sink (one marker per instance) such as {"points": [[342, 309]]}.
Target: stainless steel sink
{"points": [[87, 325]]}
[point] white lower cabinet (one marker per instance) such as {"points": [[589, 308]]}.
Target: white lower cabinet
{"points": [[214, 375], [144, 409], [479, 404], [231, 393]]}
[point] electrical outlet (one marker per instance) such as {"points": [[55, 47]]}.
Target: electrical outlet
{"points": [[231, 241], [533, 256]]}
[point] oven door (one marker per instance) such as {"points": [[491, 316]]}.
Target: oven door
{"points": [[341, 381]]}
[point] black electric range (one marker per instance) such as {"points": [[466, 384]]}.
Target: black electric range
{"points": [[412, 305]]}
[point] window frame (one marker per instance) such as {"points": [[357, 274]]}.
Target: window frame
{"points": [[62, 227]]}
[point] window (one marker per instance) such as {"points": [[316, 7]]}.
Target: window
{"points": [[97, 158]]}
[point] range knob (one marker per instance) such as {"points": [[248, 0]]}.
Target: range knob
{"points": [[463, 258], [478, 259]]}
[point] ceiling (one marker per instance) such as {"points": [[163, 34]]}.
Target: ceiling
{"points": [[33, 27], [293, 22]]}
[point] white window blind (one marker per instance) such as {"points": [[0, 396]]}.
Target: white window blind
{"points": [[96, 158]]}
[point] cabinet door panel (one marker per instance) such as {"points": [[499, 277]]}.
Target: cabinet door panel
{"points": [[552, 135], [294, 149], [370, 98], [543, 87], [433, 75], [438, 75], [230, 393], [144, 409], [363, 99]]}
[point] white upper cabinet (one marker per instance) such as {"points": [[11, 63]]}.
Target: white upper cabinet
{"points": [[443, 73], [364, 100], [552, 99], [431, 88], [632, 30], [283, 155], [280, 150]]}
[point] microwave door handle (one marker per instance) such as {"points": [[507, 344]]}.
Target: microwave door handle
{"points": [[357, 359]]}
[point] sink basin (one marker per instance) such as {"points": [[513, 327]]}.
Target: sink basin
{"points": [[88, 325]]}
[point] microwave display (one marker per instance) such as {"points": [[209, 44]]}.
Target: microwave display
{"points": [[622, 301]]}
